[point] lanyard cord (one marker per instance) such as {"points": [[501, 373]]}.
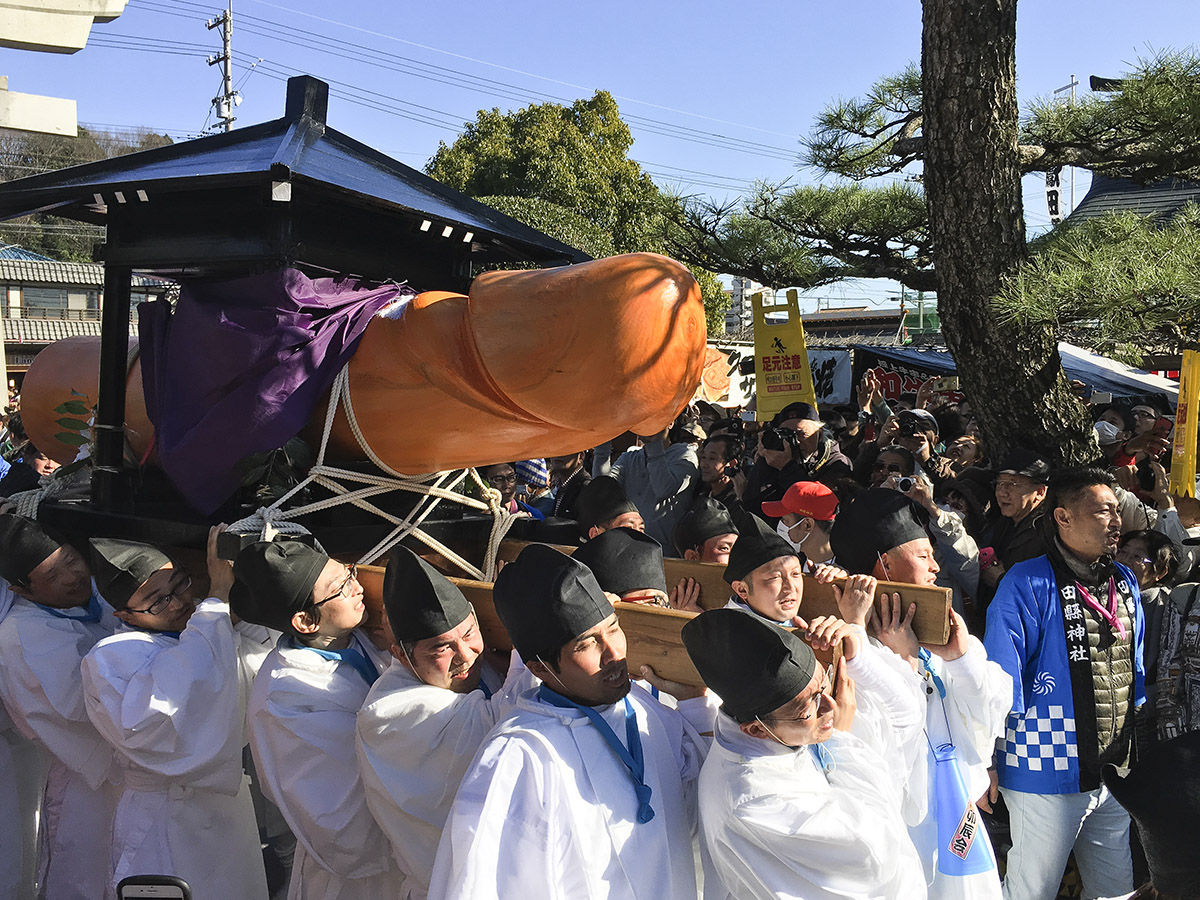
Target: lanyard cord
{"points": [[631, 757]]}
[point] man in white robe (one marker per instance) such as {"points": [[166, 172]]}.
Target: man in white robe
{"points": [[792, 804], [55, 618], [585, 789], [767, 576], [22, 781], [302, 717], [882, 533], [164, 692], [426, 716]]}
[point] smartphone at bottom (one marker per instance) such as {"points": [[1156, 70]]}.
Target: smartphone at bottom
{"points": [[153, 887]]}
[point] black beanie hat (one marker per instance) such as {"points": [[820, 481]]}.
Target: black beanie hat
{"points": [[24, 546], [273, 580], [875, 521], [602, 500], [624, 560], [124, 566], [756, 544], [546, 599], [419, 600], [707, 519], [753, 666]]}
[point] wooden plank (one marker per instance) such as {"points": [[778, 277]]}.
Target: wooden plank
{"points": [[931, 623], [653, 638], [652, 633]]}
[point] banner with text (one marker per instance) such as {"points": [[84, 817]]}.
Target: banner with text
{"points": [[780, 356], [1182, 482], [730, 375]]}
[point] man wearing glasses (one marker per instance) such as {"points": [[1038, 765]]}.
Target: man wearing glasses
{"points": [[164, 692], [302, 712], [793, 803], [503, 477]]}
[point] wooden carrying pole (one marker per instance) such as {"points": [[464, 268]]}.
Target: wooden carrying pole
{"points": [[652, 633], [931, 623]]}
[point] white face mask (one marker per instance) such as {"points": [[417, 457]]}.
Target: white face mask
{"points": [[784, 532]]}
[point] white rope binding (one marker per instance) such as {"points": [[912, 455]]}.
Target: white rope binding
{"points": [[432, 488]]}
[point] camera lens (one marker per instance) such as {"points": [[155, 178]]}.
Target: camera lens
{"points": [[772, 439], [904, 485]]}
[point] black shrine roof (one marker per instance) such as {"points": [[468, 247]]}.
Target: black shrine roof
{"points": [[291, 191], [1161, 200]]}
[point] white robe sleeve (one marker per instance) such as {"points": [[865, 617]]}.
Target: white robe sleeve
{"points": [[825, 844], [41, 687], [303, 740], [891, 718], [978, 698], [700, 712], [508, 836], [174, 710], [890, 687]]}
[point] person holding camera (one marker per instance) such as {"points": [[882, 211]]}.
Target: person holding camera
{"points": [[721, 475], [918, 434], [794, 448]]}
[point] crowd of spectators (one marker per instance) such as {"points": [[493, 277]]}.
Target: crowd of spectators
{"points": [[426, 765]]}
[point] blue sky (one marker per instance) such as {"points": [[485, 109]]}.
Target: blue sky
{"points": [[717, 94]]}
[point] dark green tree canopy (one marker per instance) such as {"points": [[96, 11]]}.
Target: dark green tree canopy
{"points": [[1146, 129], [1123, 284], [566, 170], [575, 157]]}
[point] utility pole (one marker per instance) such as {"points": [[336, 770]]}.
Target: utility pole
{"points": [[224, 102], [1066, 87]]}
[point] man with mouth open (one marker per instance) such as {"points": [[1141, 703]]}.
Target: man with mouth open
{"points": [[302, 716], [426, 716], [792, 803], [582, 791], [1068, 627]]}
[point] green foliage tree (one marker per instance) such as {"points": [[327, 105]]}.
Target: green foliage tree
{"points": [[566, 170], [951, 220], [1125, 284], [24, 153]]}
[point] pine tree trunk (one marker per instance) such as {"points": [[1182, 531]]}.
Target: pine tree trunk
{"points": [[1012, 375]]}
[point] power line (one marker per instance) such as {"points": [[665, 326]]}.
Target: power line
{"points": [[483, 62], [309, 40]]}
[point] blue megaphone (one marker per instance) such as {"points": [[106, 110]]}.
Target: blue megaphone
{"points": [[963, 845]]}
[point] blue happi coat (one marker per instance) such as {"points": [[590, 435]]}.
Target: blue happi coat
{"points": [[1025, 635]]}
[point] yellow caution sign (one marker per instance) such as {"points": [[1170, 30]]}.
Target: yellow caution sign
{"points": [[1182, 482], [780, 356]]}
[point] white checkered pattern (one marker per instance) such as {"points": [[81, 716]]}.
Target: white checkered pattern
{"points": [[1043, 739]]}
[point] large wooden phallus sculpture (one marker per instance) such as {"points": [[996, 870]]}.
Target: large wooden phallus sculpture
{"points": [[532, 363]]}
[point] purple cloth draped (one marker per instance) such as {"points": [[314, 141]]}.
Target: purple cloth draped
{"points": [[240, 365]]}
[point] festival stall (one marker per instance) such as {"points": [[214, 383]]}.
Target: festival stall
{"points": [[902, 370]]}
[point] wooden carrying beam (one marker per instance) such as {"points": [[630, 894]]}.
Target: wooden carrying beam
{"points": [[931, 623], [652, 634]]}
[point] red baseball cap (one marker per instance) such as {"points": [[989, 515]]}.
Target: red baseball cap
{"points": [[810, 499]]}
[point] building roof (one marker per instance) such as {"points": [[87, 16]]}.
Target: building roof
{"points": [[1161, 200], [291, 191], [1097, 372], [46, 331], [852, 314], [51, 271], [14, 251]]}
